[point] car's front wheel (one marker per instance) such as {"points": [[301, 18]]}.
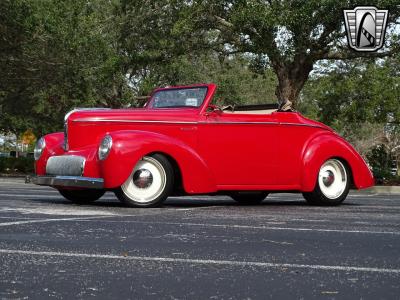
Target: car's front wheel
{"points": [[248, 198], [82, 196], [332, 186], [149, 184]]}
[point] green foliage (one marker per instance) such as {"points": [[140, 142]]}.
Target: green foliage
{"points": [[13, 165], [355, 92], [57, 55], [381, 162], [237, 83]]}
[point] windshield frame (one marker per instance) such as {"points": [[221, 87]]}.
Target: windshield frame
{"points": [[150, 103]]}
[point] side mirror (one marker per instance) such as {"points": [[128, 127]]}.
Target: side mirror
{"points": [[212, 108]]}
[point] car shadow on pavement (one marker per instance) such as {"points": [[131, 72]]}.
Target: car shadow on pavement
{"points": [[199, 203], [175, 202]]}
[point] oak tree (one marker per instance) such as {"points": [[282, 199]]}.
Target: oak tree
{"points": [[289, 35]]}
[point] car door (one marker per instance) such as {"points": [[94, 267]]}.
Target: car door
{"points": [[240, 149]]}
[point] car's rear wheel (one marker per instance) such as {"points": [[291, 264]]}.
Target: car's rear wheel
{"points": [[332, 186], [149, 184], [249, 198], [82, 196]]}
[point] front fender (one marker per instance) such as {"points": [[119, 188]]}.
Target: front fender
{"points": [[329, 145], [54, 146], [131, 145]]}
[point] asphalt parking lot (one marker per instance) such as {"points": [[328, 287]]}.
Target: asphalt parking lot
{"points": [[197, 248]]}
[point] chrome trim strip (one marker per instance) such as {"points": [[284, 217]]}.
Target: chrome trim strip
{"points": [[195, 123], [169, 122], [135, 121], [306, 125], [240, 123], [69, 181], [76, 109]]}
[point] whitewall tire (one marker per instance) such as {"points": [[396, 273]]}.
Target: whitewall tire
{"points": [[149, 184], [332, 186]]}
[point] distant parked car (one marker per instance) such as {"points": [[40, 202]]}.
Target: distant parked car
{"points": [[14, 153], [4, 154], [182, 144], [394, 170]]}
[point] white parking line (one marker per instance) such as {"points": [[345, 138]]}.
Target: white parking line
{"points": [[84, 215], [19, 218], [230, 226], [49, 220], [17, 182], [31, 195], [48, 195], [203, 261], [389, 207], [22, 188]]}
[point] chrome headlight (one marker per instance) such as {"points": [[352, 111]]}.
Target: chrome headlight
{"points": [[65, 136], [105, 147], [40, 145]]}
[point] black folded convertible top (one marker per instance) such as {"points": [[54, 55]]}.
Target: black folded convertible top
{"points": [[257, 106]]}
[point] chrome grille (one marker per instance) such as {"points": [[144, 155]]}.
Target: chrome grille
{"points": [[68, 165]]}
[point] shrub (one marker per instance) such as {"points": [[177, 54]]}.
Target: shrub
{"points": [[382, 163], [16, 165]]}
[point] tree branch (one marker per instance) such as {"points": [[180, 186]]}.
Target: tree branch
{"points": [[223, 22]]}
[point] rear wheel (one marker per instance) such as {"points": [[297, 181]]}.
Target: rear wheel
{"points": [[249, 198], [82, 196], [149, 184], [332, 186]]}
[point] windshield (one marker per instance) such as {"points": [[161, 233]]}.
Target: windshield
{"points": [[173, 98]]}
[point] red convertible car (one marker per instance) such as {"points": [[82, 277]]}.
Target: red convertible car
{"points": [[180, 143]]}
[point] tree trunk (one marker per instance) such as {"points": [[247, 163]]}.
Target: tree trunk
{"points": [[113, 100], [291, 79]]}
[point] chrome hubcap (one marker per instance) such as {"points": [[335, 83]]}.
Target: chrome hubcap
{"points": [[332, 178], [328, 178], [142, 178]]}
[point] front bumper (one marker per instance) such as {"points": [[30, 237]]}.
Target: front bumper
{"points": [[69, 181]]}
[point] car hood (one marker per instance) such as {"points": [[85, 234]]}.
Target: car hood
{"points": [[138, 114], [86, 127]]}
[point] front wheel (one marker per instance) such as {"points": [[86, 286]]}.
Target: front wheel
{"points": [[149, 184], [332, 186], [82, 196], [248, 198]]}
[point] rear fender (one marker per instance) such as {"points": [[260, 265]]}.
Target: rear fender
{"points": [[129, 146], [329, 145]]}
